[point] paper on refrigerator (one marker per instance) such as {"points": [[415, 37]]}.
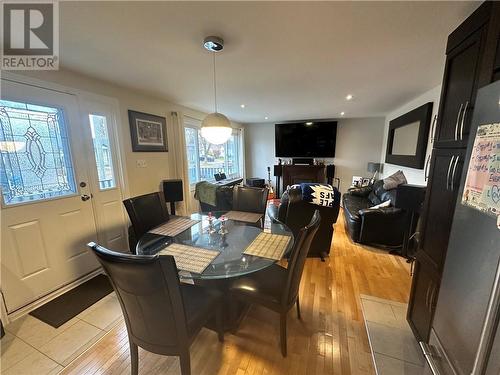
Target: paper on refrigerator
{"points": [[482, 185]]}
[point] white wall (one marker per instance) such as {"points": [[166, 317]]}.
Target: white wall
{"points": [[414, 176], [359, 141]]}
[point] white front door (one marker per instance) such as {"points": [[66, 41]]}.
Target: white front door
{"points": [[47, 214]]}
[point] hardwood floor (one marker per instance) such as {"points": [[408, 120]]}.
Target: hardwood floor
{"points": [[330, 339]]}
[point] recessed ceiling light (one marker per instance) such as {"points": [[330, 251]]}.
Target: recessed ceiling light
{"points": [[242, 106], [342, 113], [309, 123], [266, 118], [349, 97]]}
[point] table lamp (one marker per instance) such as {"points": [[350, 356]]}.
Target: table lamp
{"points": [[373, 168]]}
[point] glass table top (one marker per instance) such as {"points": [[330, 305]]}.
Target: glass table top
{"points": [[231, 262]]}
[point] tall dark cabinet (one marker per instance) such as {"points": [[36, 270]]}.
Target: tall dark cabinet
{"points": [[472, 61]]}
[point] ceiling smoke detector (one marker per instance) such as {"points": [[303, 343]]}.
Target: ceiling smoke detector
{"points": [[213, 43]]}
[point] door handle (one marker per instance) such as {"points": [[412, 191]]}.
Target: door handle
{"points": [[427, 296], [458, 120], [428, 352], [449, 170], [453, 174], [431, 298], [463, 120], [433, 127], [85, 197], [426, 172]]}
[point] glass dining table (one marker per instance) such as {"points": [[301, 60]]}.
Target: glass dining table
{"points": [[231, 261]]}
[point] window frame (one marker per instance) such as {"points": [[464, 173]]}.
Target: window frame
{"points": [[193, 123]]}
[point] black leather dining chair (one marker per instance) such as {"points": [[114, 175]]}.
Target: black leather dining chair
{"points": [[146, 212], [275, 287], [250, 199], [162, 315]]}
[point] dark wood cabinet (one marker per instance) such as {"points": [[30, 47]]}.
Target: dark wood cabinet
{"points": [[472, 59], [460, 84], [439, 206], [441, 195], [423, 295]]}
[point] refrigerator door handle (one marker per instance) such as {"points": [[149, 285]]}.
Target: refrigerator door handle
{"points": [[449, 170], [488, 330], [429, 357]]}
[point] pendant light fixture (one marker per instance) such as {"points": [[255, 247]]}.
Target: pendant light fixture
{"points": [[215, 127]]}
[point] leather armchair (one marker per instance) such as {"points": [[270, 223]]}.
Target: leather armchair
{"points": [[296, 214]]}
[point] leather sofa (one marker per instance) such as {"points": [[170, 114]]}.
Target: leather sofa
{"points": [[383, 227], [296, 214]]}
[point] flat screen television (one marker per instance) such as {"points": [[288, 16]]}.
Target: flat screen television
{"points": [[306, 139]]}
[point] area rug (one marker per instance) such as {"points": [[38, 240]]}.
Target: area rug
{"points": [[70, 304]]}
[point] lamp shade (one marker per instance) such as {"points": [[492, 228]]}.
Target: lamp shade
{"points": [[373, 167], [216, 128]]}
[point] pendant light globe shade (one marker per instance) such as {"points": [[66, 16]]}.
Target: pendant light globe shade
{"points": [[216, 128]]}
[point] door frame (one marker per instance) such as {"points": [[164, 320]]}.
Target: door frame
{"points": [[122, 179]]}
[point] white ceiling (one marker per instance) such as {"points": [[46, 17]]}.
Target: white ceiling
{"points": [[284, 60]]}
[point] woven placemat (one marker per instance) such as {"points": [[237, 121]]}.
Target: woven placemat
{"points": [[174, 226], [247, 217], [268, 245], [190, 258]]}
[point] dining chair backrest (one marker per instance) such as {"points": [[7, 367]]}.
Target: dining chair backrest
{"points": [[298, 258], [147, 287], [250, 199], [146, 212]]}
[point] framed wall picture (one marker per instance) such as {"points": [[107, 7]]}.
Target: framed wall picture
{"points": [[148, 132], [365, 182], [407, 138]]}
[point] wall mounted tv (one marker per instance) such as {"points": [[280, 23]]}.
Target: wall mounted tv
{"points": [[313, 139]]}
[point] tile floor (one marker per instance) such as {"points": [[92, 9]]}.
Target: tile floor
{"points": [[32, 347], [394, 348]]}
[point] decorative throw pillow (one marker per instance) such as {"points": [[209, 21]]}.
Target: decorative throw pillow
{"points": [[393, 181], [381, 205], [320, 194]]}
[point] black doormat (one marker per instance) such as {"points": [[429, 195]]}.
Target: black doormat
{"points": [[70, 304]]}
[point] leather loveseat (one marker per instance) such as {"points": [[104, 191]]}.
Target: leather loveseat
{"points": [[380, 226], [297, 213]]}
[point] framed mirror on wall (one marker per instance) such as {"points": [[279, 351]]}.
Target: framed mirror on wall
{"points": [[407, 138]]}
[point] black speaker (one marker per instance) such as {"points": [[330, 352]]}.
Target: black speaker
{"points": [[330, 171], [256, 182], [278, 170], [410, 197], [172, 190]]}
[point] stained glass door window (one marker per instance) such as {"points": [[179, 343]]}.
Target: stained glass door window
{"points": [[35, 153]]}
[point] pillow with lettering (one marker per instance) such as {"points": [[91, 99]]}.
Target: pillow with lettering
{"points": [[320, 194]]}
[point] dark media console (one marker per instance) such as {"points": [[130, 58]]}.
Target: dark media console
{"points": [[298, 173]]}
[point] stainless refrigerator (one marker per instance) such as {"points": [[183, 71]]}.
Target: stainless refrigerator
{"points": [[465, 335]]}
